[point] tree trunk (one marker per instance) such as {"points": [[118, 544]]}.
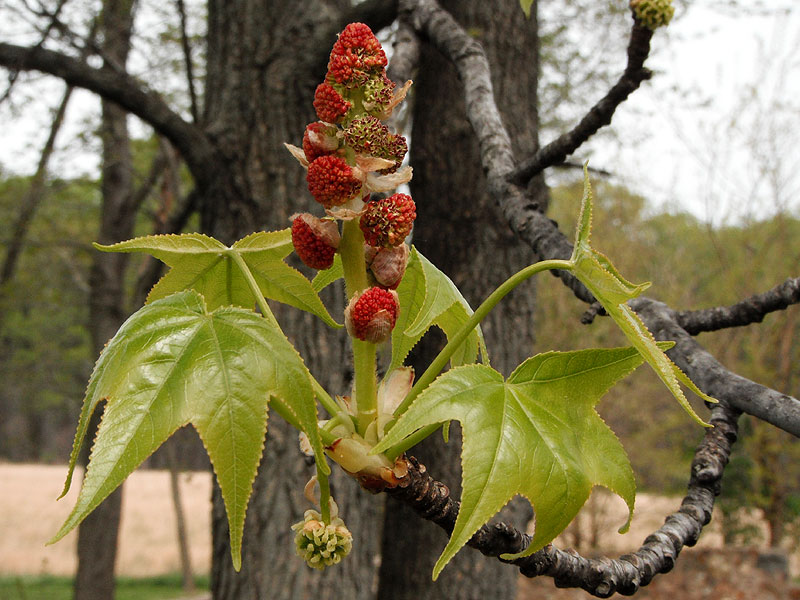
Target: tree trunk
{"points": [[97, 535], [259, 94], [459, 229]]}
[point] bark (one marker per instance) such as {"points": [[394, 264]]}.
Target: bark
{"points": [[261, 77], [97, 535], [460, 230]]}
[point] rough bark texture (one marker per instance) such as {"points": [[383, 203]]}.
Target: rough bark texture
{"points": [[259, 95], [97, 535], [459, 228], [601, 577]]}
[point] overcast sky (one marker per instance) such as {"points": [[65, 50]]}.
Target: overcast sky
{"points": [[716, 132]]}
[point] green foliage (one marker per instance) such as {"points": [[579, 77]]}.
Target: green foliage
{"points": [[206, 265], [526, 7], [536, 434], [613, 292], [429, 298], [172, 363]]}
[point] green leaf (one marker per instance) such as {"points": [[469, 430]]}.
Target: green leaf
{"points": [[526, 7], [326, 277], [613, 291], [173, 363], [428, 298], [536, 434], [206, 265]]}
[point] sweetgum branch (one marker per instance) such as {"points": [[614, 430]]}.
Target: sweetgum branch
{"points": [[769, 405], [750, 310], [549, 243], [438, 27], [127, 92], [600, 577], [599, 115]]}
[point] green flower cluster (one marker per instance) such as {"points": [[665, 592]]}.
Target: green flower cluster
{"points": [[653, 13], [321, 545]]}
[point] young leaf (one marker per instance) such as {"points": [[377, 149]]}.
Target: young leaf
{"points": [[613, 291], [536, 434], [172, 363], [428, 298], [526, 7], [201, 263]]}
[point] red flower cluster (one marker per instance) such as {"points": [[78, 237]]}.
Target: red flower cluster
{"points": [[371, 316], [386, 222], [356, 56], [331, 181], [314, 240]]}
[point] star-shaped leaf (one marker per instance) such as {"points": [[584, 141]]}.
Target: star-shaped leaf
{"points": [[613, 291], [536, 434], [201, 263], [173, 363]]}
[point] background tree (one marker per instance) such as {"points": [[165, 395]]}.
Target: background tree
{"points": [[264, 60]]}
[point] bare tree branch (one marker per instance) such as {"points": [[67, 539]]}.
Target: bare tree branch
{"points": [[187, 60], [778, 409], [600, 577], [522, 213], [749, 310], [599, 115], [124, 90], [34, 197], [544, 237]]}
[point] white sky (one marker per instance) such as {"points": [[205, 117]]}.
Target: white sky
{"points": [[695, 138]]}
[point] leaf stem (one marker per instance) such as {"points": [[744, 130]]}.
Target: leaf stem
{"points": [[327, 402], [324, 496], [261, 302], [439, 363], [412, 440], [323, 396]]}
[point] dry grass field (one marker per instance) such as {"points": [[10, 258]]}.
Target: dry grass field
{"points": [[29, 515]]}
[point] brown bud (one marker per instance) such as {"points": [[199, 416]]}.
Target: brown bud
{"points": [[389, 265]]}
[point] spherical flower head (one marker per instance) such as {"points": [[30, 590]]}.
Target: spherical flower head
{"points": [[368, 136], [319, 139], [321, 545], [356, 56], [371, 315], [332, 181], [387, 221], [315, 240], [653, 13], [331, 107]]}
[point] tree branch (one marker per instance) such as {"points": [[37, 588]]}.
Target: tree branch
{"points": [[124, 90], [778, 409], [544, 237], [600, 577], [523, 214], [599, 115], [33, 198], [187, 61], [749, 310]]}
